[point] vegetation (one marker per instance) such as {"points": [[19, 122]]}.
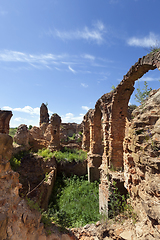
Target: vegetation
{"points": [[66, 154], [12, 131], [141, 95], [30, 127], [155, 47], [45, 153], [119, 204], [74, 202], [15, 161], [73, 137], [70, 155], [132, 107]]}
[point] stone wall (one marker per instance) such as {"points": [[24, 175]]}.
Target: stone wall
{"points": [[110, 113], [142, 165], [17, 221], [5, 117]]}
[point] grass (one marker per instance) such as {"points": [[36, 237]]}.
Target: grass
{"points": [[74, 202], [45, 153], [66, 154], [119, 205], [12, 131]]}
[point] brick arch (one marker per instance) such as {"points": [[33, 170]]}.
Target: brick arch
{"points": [[114, 107], [120, 101]]}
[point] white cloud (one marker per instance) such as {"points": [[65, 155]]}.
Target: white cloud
{"points": [[95, 34], [99, 25], [88, 56], [15, 122], [26, 109], [84, 85], [71, 69], [7, 108], [69, 117], [25, 61], [42, 59], [148, 41], [149, 79], [20, 119], [85, 108]]}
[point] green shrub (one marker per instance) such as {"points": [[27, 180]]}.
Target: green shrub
{"points": [[15, 161], [45, 153], [79, 140], [12, 131], [66, 154], [70, 155], [141, 95], [119, 204], [75, 202]]}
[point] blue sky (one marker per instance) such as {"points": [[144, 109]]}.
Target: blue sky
{"points": [[68, 53]]}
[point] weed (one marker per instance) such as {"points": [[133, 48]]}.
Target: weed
{"points": [[141, 95], [12, 131], [80, 133], [70, 155], [33, 205], [46, 177], [119, 204], [137, 132], [75, 202], [112, 168], [45, 153], [15, 161], [79, 140]]}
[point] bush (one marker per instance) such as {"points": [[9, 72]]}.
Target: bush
{"points": [[15, 161], [75, 202], [119, 204], [70, 155], [141, 95], [45, 153]]}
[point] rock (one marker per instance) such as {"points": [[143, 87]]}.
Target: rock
{"points": [[44, 116], [55, 132], [126, 235], [21, 137], [5, 117]]}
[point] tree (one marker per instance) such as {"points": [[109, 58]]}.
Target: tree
{"points": [[30, 126], [141, 95]]}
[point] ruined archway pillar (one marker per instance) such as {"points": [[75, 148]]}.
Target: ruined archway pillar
{"points": [[55, 132], [95, 153], [86, 133], [5, 117]]}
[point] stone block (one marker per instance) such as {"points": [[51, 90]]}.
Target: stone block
{"points": [[94, 162], [3, 225]]}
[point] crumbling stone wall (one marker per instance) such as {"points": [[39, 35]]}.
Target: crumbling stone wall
{"points": [[21, 137], [142, 165], [112, 108], [5, 117], [44, 116], [86, 132], [17, 220], [68, 129], [55, 132]]}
